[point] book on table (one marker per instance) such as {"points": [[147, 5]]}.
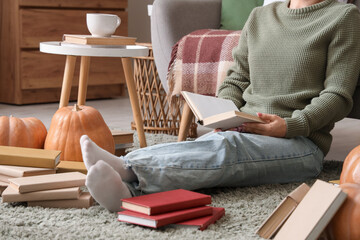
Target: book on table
{"points": [[282, 212], [313, 213], [163, 219], [29, 157], [213, 112], [96, 41], [11, 195], [85, 200], [167, 201], [48, 182], [203, 222]]}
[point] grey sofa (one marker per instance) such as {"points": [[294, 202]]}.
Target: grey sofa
{"points": [[173, 19]]}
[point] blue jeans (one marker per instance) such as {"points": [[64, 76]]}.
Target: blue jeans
{"points": [[223, 159]]}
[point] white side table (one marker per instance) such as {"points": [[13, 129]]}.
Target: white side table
{"points": [[123, 52]]}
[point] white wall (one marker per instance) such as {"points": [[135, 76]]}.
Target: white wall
{"points": [[139, 20]]}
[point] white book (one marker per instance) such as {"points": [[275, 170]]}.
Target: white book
{"points": [[216, 112]]}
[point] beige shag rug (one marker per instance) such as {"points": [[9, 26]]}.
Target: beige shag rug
{"points": [[245, 208]]}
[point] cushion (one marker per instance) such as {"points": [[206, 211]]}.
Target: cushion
{"points": [[234, 13], [200, 60]]}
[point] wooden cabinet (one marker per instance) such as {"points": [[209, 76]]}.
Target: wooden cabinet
{"points": [[29, 76]]}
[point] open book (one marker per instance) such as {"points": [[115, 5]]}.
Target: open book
{"points": [[215, 112]]}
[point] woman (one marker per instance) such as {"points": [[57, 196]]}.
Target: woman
{"points": [[296, 66]]}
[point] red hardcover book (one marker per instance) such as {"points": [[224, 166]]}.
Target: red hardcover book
{"points": [[159, 220], [163, 202], [203, 222]]}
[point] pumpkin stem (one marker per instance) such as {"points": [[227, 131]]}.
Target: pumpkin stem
{"points": [[11, 116], [76, 108]]}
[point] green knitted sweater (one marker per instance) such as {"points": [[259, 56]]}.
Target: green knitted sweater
{"points": [[300, 64]]}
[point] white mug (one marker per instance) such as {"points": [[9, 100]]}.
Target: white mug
{"points": [[102, 25]]}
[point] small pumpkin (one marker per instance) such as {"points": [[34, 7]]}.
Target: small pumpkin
{"points": [[22, 132], [351, 167], [345, 223], [70, 123]]}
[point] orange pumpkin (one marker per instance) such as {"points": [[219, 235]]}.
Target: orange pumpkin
{"points": [[22, 132], [351, 167], [345, 224], [70, 123]]}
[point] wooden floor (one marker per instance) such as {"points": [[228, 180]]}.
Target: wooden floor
{"points": [[117, 114]]}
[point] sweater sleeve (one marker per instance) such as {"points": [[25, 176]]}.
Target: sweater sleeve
{"points": [[335, 100], [237, 79]]}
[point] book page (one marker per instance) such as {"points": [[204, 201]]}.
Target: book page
{"points": [[206, 106]]}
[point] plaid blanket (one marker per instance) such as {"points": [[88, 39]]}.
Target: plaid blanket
{"points": [[200, 60]]}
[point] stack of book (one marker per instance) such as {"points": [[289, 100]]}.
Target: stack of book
{"points": [[60, 190], [181, 207], [304, 213], [23, 162], [7, 172]]}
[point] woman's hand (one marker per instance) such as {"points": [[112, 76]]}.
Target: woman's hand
{"points": [[274, 126]]}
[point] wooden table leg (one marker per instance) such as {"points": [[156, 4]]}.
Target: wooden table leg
{"points": [[67, 80], [185, 122], [83, 79], [130, 82]]}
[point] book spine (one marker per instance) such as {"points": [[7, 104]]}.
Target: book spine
{"points": [[219, 215], [183, 217], [183, 205], [50, 185], [26, 161], [82, 202], [5, 178], [11, 172], [40, 196]]}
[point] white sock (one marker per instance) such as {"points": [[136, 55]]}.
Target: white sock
{"points": [[92, 153], [106, 186]]}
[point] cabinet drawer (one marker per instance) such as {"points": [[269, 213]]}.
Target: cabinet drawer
{"points": [[41, 70], [75, 3], [39, 25]]}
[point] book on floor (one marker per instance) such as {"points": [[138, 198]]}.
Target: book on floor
{"points": [[163, 219], [84, 201], [91, 40], [3, 186], [29, 157], [7, 172], [48, 182], [282, 212], [11, 195], [123, 140], [122, 137], [203, 222], [19, 171], [213, 112], [71, 166], [167, 201], [5, 178], [313, 213]]}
